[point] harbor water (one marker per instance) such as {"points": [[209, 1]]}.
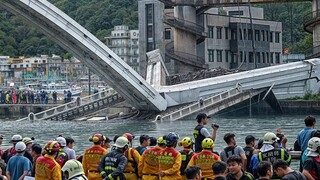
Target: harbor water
{"points": [[81, 130]]}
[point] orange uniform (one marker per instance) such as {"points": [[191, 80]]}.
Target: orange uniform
{"points": [[47, 168], [133, 157], [170, 162], [205, 160], [149, 164], [91, 160]]}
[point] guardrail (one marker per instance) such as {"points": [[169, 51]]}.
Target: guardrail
{"points": [[200, 105], [76, 108]]}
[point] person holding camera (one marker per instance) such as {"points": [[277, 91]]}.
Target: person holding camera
{"points": [[200, 132]]}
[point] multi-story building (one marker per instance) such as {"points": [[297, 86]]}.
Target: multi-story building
{"points": [[230, 37], [233, 42], [5, 68], [125, 43]]}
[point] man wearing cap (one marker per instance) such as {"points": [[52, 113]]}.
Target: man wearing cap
{"points": [[106, 144], [200, 132], [271, 153], [18, 166], [11, 151]]}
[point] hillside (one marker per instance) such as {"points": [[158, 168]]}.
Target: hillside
{"points": [[100, 16]]}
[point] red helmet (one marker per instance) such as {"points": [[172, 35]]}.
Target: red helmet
{"points": [[97, 137], [129, 136], [52, 146]]}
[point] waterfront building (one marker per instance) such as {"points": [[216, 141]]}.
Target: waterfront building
{"points": [[5, 69], [125, 43], [227, 38]]}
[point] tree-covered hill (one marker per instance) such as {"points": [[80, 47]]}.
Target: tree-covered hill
{"points": [[100, 16]]}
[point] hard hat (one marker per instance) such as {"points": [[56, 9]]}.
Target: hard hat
{"points": [[52, 146], [313, 144], [27, 140], [97, 137], [73, 167], [62, 141], [270, 138], [161, 140], [20, 146], [207, 143], [129, 136], [171, 138], [186, 142], [121, 142], [16, 138]]}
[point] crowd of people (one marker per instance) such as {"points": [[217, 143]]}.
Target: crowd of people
{"points": [[16, 96], [158, 158]]}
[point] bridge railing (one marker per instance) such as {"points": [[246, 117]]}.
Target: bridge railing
{"points": [[73, 104], [201, 104]]}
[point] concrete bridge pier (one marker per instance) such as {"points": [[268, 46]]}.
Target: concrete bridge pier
{"points": [[184, 42], [316, 28]]}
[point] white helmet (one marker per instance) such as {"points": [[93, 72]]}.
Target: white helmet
{"points": [[20, 146], [270, 138], [121, 142], [62, 141], [16, 138], [73, 167], [313, 144]]}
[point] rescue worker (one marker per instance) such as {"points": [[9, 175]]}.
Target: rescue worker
{"points": [[73, 170], [133, 156], [28, 142], [149, 162], [62, 156], [92, 156], [311, 166], [170, 159], [46, 166], [205, 159], [144, 143], [270, 152], [106, 143], [112, 165], [200, 132], [186, 154]]}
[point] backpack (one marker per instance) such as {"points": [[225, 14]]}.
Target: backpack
{"points": [[228, 149], [185, 158]]}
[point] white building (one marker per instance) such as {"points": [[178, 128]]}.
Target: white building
{"points": [[125, 43]]}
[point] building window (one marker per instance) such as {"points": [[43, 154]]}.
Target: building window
{"points": [[219, 55], [257, 35], [241, 56], [240, 34], [258, 57], [210, 55], [262, 35], [263, 57], [250, 34], [277, 37], [271, 57], [267, 36], [250, 57], [227, 55], [167, 33], [219, 32], [226, 32], [267, 56], [245, 34], [233, 35], [277, 58], [150, 27], [271, 36], [210, 31], [235, 13]]}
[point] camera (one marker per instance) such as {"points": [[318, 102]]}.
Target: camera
{"points": [[215, 125]]}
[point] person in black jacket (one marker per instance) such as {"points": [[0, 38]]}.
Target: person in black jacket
{"points": [[112, 165]]}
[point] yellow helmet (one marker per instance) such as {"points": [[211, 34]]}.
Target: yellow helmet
{"points": [[186, 142], [161, 140], [207, 143]]}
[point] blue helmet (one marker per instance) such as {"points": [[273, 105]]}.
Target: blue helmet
{"points": [[172, 138]]}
